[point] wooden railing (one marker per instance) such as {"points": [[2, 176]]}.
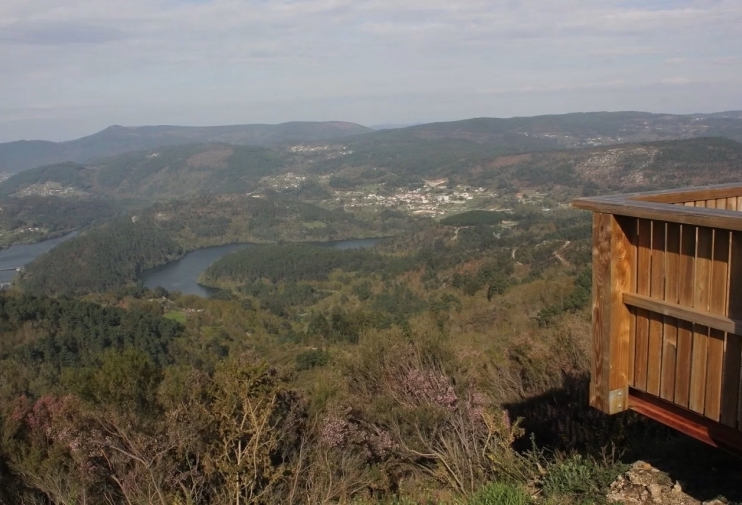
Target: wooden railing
{"points": [[667, 308]]}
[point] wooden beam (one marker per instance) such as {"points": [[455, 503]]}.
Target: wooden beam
{"points": [[690, 314], [612, 263], [685, 421], [696, 216], [691, 195], [680, 195]]}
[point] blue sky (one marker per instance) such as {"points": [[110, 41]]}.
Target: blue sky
{"points": [[71, 68]]}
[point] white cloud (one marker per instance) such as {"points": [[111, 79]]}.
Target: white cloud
{"points": [[675, 80], [214, 61]]}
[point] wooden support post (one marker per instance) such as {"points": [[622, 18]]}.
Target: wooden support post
{"points": [[614, 256]]}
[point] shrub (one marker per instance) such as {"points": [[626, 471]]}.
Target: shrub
{"points": [[311, 358], [581, 477], [500, 493]]}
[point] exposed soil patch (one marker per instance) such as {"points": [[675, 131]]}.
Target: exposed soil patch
{"points": [[210, 158]]}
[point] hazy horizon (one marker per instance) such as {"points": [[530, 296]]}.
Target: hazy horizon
{"points": [[73, 68], [380, 126]]}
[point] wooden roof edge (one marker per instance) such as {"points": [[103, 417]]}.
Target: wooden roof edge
{"points": [[697, 216], [676, 195]]}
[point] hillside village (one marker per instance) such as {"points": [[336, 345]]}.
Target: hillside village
{"points": [[434, 198]]}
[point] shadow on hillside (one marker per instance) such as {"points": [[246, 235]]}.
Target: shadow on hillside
{"points": [[561, 421]]}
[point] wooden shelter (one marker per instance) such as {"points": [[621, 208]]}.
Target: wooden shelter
{"points": [[667, 308]]}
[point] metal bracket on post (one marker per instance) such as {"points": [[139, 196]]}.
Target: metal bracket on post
{"points": [[618, 400]]}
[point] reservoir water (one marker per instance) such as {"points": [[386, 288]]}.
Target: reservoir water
{"points": [[22, 254], [181, 275]]}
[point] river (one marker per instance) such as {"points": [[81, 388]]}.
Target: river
{"points": [[181, 275], [22, 254]]}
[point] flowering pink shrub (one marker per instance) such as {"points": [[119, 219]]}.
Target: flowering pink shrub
{"points": [[427, 386], [333, 432]]}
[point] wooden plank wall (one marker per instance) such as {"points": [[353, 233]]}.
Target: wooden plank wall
{"points": [[698, 269]]}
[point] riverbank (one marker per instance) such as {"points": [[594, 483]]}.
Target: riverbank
{"points": [[186, 273], [31, 237]]}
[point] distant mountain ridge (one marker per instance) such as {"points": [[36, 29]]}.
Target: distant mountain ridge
{"points": [[584, 129], [22, 155], [153, 174], [484, 136]]}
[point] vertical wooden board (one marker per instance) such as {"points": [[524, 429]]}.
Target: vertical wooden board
{"points": [[702, 277], [644, 266], [711, 204], [669, 355], [714, 368], [654, 353], [670, 328], [632, 313], [739, 203], [731, 400], [601, 277], [717, 305], [731, 203], [690, 204], [672, 263], [700, 203], [721, 203], [622, 260], [632, 345], [642, 349], [657, 290], [683, 363], [686, 269], [699, 360]]}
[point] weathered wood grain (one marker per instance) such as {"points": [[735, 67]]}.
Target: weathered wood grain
{"points": [[717, 305], [612, 260], [670, 329], [644, 266], [731, 397], [686, 272], [699, 359], [656, 322]]}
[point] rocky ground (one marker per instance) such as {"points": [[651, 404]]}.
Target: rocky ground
{"points": [[644, 484]]}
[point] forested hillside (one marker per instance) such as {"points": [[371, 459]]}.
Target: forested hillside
{"points": [[22, 155], [394, 162], [154, 175], [112, 255], [587, 129], [33, 218], [601, 169]]}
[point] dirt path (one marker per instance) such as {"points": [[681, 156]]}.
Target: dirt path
{"points": [[558, 254], [513, 256]]}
